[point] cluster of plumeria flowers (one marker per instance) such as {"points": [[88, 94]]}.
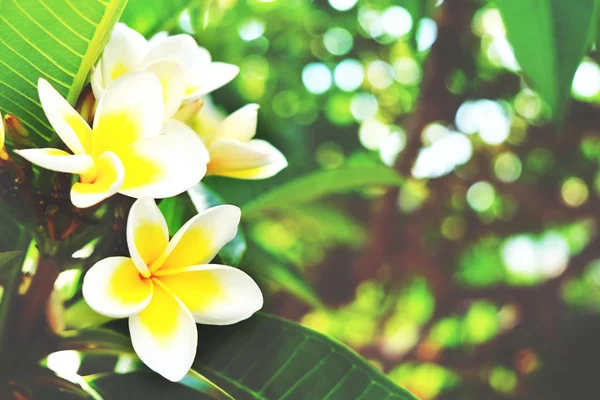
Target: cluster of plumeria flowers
{"points": [[145, 142]]}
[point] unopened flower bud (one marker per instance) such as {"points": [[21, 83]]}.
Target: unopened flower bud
{"points": [[86, 104], [15, 130], [188, 112]]}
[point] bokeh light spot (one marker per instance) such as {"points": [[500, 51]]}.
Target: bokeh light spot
{"points": [[426, 34], [338, 41], [380, 74], [349, 75], [392, 145], [507, 167], [372, 133], [364, 106], [407, 71], [574, 192], [342, 5], [316, 78], [397, 22], [251, 30], [480, 196], [587, 79]]}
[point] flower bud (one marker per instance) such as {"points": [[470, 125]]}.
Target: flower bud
{"points": [[188, 112], [86, 104], [15, 130]]}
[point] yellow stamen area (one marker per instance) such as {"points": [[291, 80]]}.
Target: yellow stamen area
{"points": [[115, 131], [161, 315], [194, 248], [191, 89], [106, 174], [140, 170], [127, 285], [82, 130], [196, 289], [150, 241], [118, 70]]}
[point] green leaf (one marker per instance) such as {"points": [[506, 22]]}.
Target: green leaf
{"points": [[149, 18], [95, 340], [204, 197], [177, 211], [59, 40], [6, 261], [266, 357], [144, 385], [10, 278], [549, 38], [320, 184], [79, 316]]}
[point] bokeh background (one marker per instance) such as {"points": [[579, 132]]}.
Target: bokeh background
{"points": [[480, 277]]}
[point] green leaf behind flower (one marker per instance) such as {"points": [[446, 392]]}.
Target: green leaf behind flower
{"points": [[59, 40], [321, 184], [269, 358]]}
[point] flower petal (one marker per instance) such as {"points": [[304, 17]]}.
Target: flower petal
{"points": [[147, 234], [172, 81], [97, 82], [201, 238], [68, 124], [162, 166], [255, 159], [172, 126], [123, 53], [131, 108], [209, 79], [164, 335], [215, 294], [182, 49], [113, 287], [58, 160], [240, 125], [107, 180]]}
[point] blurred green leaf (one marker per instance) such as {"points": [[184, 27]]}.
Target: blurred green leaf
{"points": [[281, 275], [10, 278], [266, 357], [95, 340], [203, 198], [177, 211], [80, 316], [59, 40], [320, 184], [549, 37], [6, 261], [149, 18]]}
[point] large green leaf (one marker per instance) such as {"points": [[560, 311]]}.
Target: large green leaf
{"points": [[549, 38], [143, 385], [59, 40], [150, 17], [320, 184], [270, 358], [267, 357]]}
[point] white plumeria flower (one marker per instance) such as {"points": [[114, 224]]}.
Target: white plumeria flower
{"points": [[165, 288], [186, 71], [233, 151], [124, 151]]}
